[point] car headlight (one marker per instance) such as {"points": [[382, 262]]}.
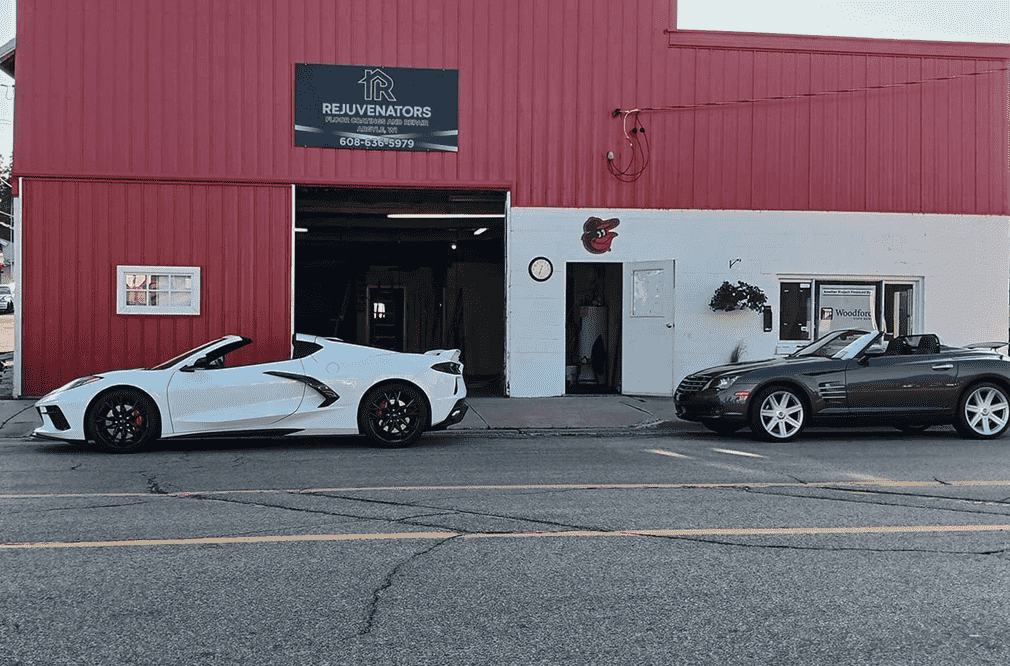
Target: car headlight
{"points": [[724, 382], [78, 383]]}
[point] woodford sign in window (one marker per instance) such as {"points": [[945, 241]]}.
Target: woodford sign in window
{"points": [[376, 108]]}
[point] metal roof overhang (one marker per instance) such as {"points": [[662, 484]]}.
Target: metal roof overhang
{"points": [[7, 57]]}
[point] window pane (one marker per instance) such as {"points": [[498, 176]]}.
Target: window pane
{"points": [[794, 311], [846, 306], [647, 291], [135, 280], [179, 298], [180, 282], [159, 282], [136, 297]]}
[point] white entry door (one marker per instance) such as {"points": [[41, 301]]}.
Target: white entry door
{"points": [[647, 350]]}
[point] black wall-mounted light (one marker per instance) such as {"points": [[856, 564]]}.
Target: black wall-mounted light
{"points": [[768, 318]]}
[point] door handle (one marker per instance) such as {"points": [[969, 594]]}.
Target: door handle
{"points": [[943, 366]]}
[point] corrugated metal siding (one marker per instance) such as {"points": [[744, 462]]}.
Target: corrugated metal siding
{"points": [[203, 89], [236, 234]]}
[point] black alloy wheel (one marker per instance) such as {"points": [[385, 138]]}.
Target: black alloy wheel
{"points": [[393, 415], [778, 415], [721, 427], [983, 412], [122, 421]]}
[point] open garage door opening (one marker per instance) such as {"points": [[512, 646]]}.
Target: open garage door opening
{"points": [[407, 270]]}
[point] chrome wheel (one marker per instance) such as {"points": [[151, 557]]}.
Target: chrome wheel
{"points": [[779, 415], [122, 421], [393, 415], [984, 412]]}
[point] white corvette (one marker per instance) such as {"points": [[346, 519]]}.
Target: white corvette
{"points": [[328, 387]]}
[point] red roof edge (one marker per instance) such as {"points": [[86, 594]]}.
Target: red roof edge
{"points": [[746, 41]]}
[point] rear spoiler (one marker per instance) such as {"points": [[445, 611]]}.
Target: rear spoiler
{"points": [[987, 345], [449, 354]]}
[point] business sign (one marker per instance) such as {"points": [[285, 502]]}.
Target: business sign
{"points": [[376, 108], [843, 306]]}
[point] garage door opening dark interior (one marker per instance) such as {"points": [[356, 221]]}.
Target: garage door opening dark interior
{"points": [[405, 269]]}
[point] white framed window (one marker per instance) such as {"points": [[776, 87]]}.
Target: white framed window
{"points": [[158, 290], [812, 305]]}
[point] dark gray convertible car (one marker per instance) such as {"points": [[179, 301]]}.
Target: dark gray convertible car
{"points": [[856, 378]]}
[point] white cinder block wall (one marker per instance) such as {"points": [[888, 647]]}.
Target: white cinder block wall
{"points": [[963, 263]]}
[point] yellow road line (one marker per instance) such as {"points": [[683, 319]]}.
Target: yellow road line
{"points": [[394, 536], [882, 483]]}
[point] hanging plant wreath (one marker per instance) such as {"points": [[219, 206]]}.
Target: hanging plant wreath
{"points": [[729, 297]]}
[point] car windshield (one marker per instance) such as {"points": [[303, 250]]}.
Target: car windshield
{"points": [[858, 345], [831, 344], [172, 361]]}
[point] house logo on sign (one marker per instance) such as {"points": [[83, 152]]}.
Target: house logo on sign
{"points": [[378, 85]]}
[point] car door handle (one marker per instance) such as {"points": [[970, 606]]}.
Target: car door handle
{"points": [[943, 366]]}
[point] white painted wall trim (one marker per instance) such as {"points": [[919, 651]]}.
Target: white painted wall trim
{"points": [[16, 208], [508, 281]]}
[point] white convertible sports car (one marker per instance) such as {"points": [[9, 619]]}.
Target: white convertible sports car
{"points": [[328, 387]]}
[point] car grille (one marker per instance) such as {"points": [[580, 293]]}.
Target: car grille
{"points": [[693, 384]]}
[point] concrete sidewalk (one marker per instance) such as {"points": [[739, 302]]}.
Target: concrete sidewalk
{"points": [[573, 413], [18, 418], [570, 413]]}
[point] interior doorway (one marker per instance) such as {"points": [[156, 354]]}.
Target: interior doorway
{"points": [[899, 313], [405, 269], [385, 326], [593, 327]]}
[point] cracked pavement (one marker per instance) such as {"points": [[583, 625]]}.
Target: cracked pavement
{"points": [[498, 550]]}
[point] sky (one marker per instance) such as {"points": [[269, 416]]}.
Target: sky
{"points": [[942, 20]]}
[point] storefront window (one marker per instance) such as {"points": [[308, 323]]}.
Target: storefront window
{"points": [[810, 308]]}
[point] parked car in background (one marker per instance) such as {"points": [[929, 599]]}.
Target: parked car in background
{"points": [[328, 387], [856, 378], [6, 298]]}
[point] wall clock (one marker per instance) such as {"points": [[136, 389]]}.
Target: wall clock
{"points": [[541, 269]]}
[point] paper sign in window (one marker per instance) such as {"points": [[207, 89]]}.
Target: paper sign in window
{"points": [[647, 292]]}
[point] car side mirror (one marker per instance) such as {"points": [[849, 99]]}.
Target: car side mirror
{"points": [[187, 368]]}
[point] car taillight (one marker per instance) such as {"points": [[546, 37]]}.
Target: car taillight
{"points": [[449, 368]]}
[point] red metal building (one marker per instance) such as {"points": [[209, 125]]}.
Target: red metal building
{"points": [[149, 135]]}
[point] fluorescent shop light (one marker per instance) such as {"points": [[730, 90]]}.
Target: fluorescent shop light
{"points": [[444, 216]]}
